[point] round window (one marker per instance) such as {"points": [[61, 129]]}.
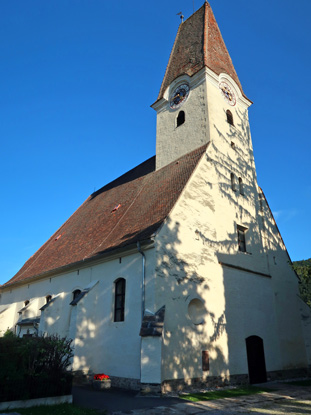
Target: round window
{"points": [[196, 311]]}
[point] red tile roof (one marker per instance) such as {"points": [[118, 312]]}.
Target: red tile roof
{"points": [[198, 44], [144, 198]]}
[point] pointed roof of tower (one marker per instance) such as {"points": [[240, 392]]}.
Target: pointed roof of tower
{"points": [[198, 44]]}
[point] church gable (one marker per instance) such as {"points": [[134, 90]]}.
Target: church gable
{"points": [[216, 292]]}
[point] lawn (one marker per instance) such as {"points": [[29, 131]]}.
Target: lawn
{"points": [[224, 393], [63, 409]]}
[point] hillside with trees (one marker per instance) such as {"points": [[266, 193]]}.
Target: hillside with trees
{"points": [[303, 269]]}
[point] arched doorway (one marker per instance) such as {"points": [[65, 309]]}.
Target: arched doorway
{"points": [[256, 360]]}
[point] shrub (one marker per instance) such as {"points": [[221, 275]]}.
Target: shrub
{"points": [[34, 367]]}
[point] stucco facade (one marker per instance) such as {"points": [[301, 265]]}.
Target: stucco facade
{"points": [[206, 278]]}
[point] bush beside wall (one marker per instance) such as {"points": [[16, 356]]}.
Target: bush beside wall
{"points": [[34, 367]]}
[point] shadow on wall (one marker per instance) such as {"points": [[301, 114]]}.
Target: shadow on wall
{"points": [[191, 325], [241, 302], [209, 307]]}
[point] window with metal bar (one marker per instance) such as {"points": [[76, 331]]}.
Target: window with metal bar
{"points": [[233, 186], [119, 300], [241, 186], [241, 238]]}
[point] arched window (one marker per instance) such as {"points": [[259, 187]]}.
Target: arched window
{"points": [[119, 299], [180, 118], [233, 186], [241, 186], [48, 298], [75, 294], [229, 117]]}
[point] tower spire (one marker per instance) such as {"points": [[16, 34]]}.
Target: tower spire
{"points": [[198, 44]]}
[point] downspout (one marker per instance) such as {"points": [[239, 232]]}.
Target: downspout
{"points": [[36, 328], [143, 280], [20, 329]]}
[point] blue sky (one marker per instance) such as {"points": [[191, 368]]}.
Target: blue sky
{"points": [[77, 78]]}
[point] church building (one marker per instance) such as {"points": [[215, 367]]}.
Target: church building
{"points": [[175, 273]]}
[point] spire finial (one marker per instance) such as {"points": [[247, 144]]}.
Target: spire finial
{"points": [[181, 16]]}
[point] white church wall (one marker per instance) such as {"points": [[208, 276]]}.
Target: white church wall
{"points": [[151, 360], [286, 293], [250, 311], [8, 313], [13, 300], [172, 141], [198, 257], [187, 270], [101, 345], [268, 253]]}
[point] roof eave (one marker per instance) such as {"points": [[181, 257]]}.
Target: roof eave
{"points": [[96, 259]]}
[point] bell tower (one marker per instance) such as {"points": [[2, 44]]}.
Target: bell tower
{"points": [[200, 89]]}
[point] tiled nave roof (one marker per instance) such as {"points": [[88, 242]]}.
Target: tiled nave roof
{"points": [[125, 211]]}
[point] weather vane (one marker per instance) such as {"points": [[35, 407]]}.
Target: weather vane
{"points": [[181, 16]]}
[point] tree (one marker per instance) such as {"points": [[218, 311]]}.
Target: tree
{"points": [[303, 269]]}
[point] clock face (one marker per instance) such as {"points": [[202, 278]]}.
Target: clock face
{"points": [[227, 93], [179, 96]]}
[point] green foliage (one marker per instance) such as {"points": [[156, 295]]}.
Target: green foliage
{"points": [[34, 367], [9, 333], [303, 269], [225, 393]]}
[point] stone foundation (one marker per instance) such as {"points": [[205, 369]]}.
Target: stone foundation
{"points": [[289, 374], [82, 378], [125, 383], [179, 385]]}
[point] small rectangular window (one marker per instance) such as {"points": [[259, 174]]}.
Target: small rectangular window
{"points": [[205, 360], [241, 186], [241, 238], [233, 186]]}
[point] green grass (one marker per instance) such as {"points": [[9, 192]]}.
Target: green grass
{"points": [[225, 393], [63, 409], [300, 382]]}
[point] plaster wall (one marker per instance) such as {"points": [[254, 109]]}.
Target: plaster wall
{"points": [[286, 295], [151, 360], [173, 142], [101, 345], [198, 256], [8, 313]]}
